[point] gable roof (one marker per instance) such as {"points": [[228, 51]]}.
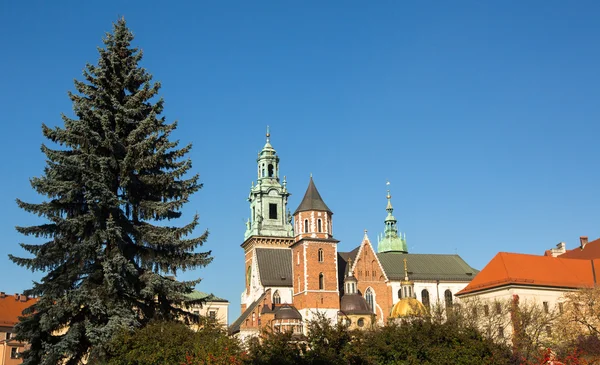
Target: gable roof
{"points": [[204, 297], [11, 308], [274, 266], [235, 326], [366, 242], [423, 266], [312, 200], [545, 271], [590, 251]]}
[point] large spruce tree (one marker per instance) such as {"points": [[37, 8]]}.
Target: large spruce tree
{"points": [[112, 180]]}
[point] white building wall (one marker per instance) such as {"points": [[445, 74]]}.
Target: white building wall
{"points": [[309, 314], [285, 293], [221, 310], [434, 288]]}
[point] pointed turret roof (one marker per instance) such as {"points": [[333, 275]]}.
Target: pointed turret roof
{"points": [[312, 200]]}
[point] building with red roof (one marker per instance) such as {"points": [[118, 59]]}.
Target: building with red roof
{"points": [[530, 280], [586, 250], [11, 308], [512, 273]]}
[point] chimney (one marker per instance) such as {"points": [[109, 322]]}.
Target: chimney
{"points": [[583, 240], [16, 296], [23, 298], [2, 294]]}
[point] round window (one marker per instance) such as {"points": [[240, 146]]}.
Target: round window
{"points": [[348, 322], [361, 322]]}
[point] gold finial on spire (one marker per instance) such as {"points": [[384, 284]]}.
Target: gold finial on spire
{"points": [[389, 196], [268, 134], [405, 270]]}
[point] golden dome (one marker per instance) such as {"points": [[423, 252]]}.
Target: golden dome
{"points": [[408, 307]]}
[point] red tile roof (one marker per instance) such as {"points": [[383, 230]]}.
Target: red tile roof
{"points": [[11, 308], [589, 251], [520, 269]]}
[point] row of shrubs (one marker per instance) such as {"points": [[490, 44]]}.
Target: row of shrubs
{"points": [[412, 342]]}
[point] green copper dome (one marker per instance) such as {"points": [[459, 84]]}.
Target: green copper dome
{"points": [[391, 240]]}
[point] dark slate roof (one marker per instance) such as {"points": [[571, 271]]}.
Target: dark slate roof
{"points": [[426, 266], [312, 200], [235, 326], [354, 304], [275, 266], [343, 265], [287, 311]]}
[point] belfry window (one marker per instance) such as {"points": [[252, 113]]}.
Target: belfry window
{"points": [[320, 254], [276, 297], [270, 170], [369, 299], [321, 281], [306, 226], [319, 228], [272, 211]]}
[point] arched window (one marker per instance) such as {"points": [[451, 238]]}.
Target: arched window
{"points": [[297, 258], [276, 297], [369, 299], [319, 228], [425, 298], [320, 255], [306, 226], [270, 170], [263, 170], [321, 281], [448, 299], [399, 293]]}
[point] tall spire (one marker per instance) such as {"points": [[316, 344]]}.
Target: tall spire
{"points": [[312, 200], [392, 240], [312, 218]]}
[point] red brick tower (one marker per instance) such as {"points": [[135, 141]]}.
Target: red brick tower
{"points": [[314, 255]]}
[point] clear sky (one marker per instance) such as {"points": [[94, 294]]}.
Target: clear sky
{"points": [[483, 115]]}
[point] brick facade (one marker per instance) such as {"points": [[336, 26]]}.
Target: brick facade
{"points": [[370, 275]]}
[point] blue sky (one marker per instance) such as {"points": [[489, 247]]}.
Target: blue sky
{"points": [[482, 115]]}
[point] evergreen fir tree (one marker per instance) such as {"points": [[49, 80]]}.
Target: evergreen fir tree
{"points": [[111, 183]]}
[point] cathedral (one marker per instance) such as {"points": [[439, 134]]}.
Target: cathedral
{"points": [[294, 271]]}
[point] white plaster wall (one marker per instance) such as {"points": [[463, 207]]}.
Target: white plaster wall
{"points": [[309, 314], [529, 295], [432, 287], [256, 289], [221, 309], [285, 293]]}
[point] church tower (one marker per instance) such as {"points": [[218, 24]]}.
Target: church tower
{"points": [[268, 199], [392, 240], [314, 255], [269, 226]]}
